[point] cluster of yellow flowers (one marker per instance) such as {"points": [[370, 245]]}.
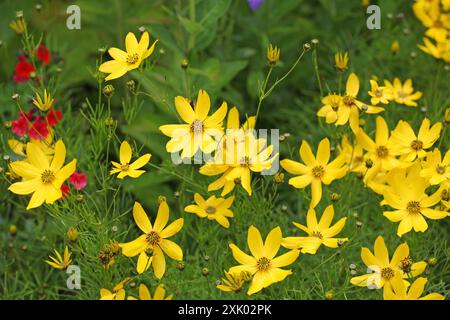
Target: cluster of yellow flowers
{"points": [[435, 16]]}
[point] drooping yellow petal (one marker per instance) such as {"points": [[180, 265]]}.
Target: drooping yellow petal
{"points": [[141, 218]]}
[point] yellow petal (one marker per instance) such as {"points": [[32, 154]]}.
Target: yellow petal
{"points": [[272, 243], [125, 153], [202, 106], [162, 216], [141, 218], [184, 109], [172, 249], [255, 242]]}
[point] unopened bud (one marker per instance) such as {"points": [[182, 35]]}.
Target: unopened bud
{"points": [[185, 63], [12, 229], [205, 271], [108, 91], [72, 234]]}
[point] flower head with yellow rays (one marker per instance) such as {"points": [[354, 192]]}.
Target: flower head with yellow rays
{"points": [[213, 208], [200, 131], [379, 94], [124, 61], [144, 293], [41, 177], [262, 264], [398, 290], [154, 241], [319, 233], [125, 168], [61, 262], [316, 170], [384, 269], [406, 194], [117, 293], [403, 93], [435, 169], [411, 145], [354, 155], [330, 109], [44, 103]]}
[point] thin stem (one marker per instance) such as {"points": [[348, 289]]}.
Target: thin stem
{"points": [[263, 89], [316, 69]]}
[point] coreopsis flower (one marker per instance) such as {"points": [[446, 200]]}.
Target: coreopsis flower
{"points": [[447, 115], [221, 164], [233, 282], [19, 25], [341, 61], [319, 233], [407, 196], [23, 70], [124, 61], [353, 154], [154, 240], [78, 180], [316, 170], [125, 168], [439, 50], [412, 146], [381, 152], [117, 293], [435, 169], [383, 268], [108, 254], [403, 93], [398, 290], [379, 94], [45, 103], [437, 23], [43, 54], [273, 55], [350, 106], [200, 131], [60, 262], [41, 177], [45, 145], [262, 264], [329, 110], [213, 208], [144, 293]]}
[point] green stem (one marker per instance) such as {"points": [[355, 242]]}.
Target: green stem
{"points": [[263, 90], [316, 69]]}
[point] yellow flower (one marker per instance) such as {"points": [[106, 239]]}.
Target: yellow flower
{"points": [[447, 115], [221, 164], [45, 145], [19, 25], [379, 94], [125, 168], [200, 131], [124, 61], [381, 152], [399, 291], [395, 47], [341, 61], [60, 262], [265, 268], [118, 292], [349, 112], [354, 155], [437, 23], [407, 196], [435, 169], [439, 50], [411, 145], [330, 108], [273, 54], [403, 93], [154, 240], [233, 282], [144, 293], [385, 269], [213, 208], [316, 170], [43, 104], [41, 177], [318, 232]]}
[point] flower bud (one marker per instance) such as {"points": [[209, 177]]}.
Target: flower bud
{"points": [[185, 63], [181, 265], [12, 229], [72, 234], [205, 271], [108, 91], [329, 295]]}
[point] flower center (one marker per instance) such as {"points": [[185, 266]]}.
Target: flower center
{"points": [[125, 167], [153, 238], [413, 207], [401, 95], [440, 169], [318, 172], [197, 127], [210, 210], [348, 100], [378, 93], [132, 58], [382, 152], [263, 264], [417, 145], [47, 176], [317, 234], [387, 273], [245, 161]]}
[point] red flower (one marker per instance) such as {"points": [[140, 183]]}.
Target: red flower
{"points": [[53, 117], [22, 70], [78, 180], [43, 54], [65, 189], [19, 127], [38, 129]]}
